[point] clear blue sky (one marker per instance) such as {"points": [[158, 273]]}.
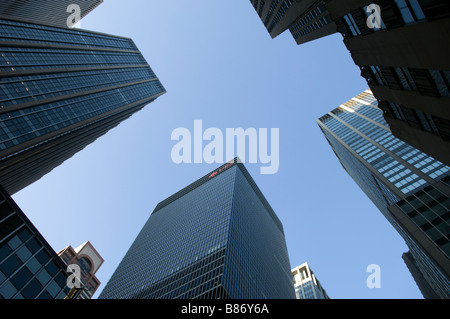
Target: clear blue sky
{"points": [[219, 65]]}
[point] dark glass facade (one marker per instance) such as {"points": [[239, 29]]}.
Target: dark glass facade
{"points": [[51, 12], [217, 238], [307, 20], [410, 188], [29, 267], [61, 89]]}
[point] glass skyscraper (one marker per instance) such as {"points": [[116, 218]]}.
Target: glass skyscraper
{"points": [[48, 12], [307, 20], [218, 238], [61, 89], [410, 188], [29, 267]]}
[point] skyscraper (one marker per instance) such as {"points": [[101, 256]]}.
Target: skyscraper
{"points": [[400, 47], [424, 287], [89, 261], [307, 286], [48, 12], [61, 89], [29, 267], [216, 238], [307, 20], [410, 188], [405, 61]]}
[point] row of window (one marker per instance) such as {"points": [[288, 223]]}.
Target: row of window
{"points": [[382, 198], [26, 91], [395, 13], [429, 209], [425, 81], [188, 231], [280, 13], [25, 59], [379, 194], [311, 16], [19, 126], [18, 31], [177, 237], [192, 282], [27, 270], [312, 27], [258, 264], [271, 11], [418, 119], [261, 7], [398, 174]]}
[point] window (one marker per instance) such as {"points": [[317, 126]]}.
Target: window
{"points": [[85, 265], [32, 289], [410, 10], [405, 79], [53, 289], [43, 277], [23, 253], [21, 278], [7, 290], [9, 266], [441, 82], [352, 24]]}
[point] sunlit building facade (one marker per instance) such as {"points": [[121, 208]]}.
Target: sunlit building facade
{"points": [[409, 187]]}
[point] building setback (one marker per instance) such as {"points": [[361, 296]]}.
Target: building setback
{"points": [[410, 188], [61, 89], [48, 12], [307, 20], [218, 238]]}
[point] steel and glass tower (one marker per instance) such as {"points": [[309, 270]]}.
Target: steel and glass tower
{"points": [[29, 267], [48, 12], [400, 47], [307, 20], [410, 188], [61, 89], [216, 238]]}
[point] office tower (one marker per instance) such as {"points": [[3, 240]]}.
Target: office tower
{"points": [[61, 89], [49, 12], [29, 267], [409, 187], [400, 47], [88, 261], [307, 20], [424, 287], [405, 61], [307, 286], [218, 238]]}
